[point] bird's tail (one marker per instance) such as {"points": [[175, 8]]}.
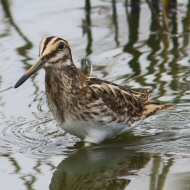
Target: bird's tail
{"points": [[151, 108]]}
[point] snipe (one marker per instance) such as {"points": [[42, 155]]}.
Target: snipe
{"points": [[87, 107]]}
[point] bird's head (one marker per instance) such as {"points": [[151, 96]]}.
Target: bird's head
{"points": [[54, 53]]}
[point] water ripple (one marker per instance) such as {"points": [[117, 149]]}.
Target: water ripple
{"points": [[40, 138]]}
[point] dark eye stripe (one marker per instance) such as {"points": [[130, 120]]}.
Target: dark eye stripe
{"points": [[47, 41]]}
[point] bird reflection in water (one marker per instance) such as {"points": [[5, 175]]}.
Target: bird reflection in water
{"points": [[98, 168]]}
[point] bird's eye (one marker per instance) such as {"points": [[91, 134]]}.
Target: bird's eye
{"points": [[61, 45]]}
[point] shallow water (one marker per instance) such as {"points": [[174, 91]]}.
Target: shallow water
{"points": [[126, 47]]}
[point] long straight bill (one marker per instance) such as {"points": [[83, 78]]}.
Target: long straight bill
{"points": [[37, 66]]}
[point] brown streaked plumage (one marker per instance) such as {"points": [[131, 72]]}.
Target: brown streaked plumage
{"points": [[87, 107]]}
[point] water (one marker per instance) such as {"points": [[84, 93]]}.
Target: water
{"points": [[126, 46]]}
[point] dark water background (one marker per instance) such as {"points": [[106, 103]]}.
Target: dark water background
{"points": [[127, 44]]}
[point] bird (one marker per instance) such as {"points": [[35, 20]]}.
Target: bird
{"points": [[82, 105]]}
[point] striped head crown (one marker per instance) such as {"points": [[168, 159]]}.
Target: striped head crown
{"points": [[54, 52]]}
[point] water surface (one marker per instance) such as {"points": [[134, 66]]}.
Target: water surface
{"points": [[126, 46]]}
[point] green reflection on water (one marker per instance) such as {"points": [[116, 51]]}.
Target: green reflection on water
{"points": [[94, 168], [115, 163]]}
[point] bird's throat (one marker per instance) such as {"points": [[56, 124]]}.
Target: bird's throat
{"points": [[63, 87]]}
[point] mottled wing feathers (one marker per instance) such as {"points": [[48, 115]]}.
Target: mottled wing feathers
{"points": [[124, 102], [119, 99]]}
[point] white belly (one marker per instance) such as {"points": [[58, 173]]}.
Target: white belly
{"points": [[93, 132]]}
